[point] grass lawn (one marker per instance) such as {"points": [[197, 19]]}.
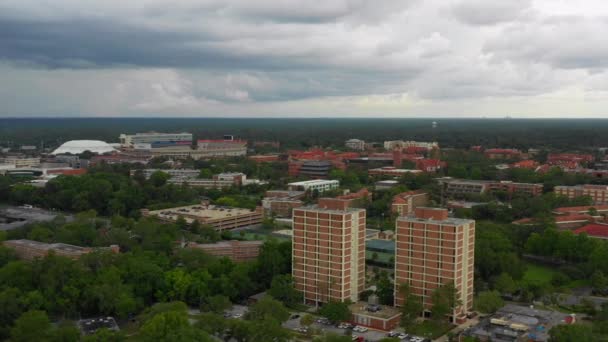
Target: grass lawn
{"points": [[542, 275], [538, 274], [430, 329]]}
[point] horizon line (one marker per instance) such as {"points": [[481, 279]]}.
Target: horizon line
{"points": [[310, 118]]}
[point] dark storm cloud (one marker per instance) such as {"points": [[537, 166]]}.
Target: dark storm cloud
{"points": [[93, 43]]}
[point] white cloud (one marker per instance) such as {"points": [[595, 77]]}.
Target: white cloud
{"points": [[297, 57]]}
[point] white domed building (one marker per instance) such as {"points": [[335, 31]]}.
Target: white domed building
{"points": [[79, 146]]}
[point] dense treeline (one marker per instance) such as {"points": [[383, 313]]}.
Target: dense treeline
{"points": [[474, 165], [304, 133], [110, 191], [121, 285]]}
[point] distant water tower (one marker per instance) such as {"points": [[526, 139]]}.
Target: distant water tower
{"points": [[434, 124]]}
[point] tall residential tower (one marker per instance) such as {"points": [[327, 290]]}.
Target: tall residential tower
{"points": [[329, 251], [433, 250]]}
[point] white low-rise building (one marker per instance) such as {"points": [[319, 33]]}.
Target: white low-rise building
{"points": [[320, 185]]}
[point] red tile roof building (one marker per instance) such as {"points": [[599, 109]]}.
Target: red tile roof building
{"points": [[502, 153], [298, 160], [264, 158], [568, 158], [361, 195], [595, 230], [525, 164], [562, 221], [234, 250], [429, 165], [405, 202], [598, 193], [391, 171], [601, 209], [67, 172]]}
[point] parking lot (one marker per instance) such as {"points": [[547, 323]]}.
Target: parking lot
{"points": [[370, 335], [237, 311]]}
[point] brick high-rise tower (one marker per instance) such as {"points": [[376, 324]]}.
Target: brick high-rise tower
{"points": [[433, 250], [329, 251]]}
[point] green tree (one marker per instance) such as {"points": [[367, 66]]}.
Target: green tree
{"points": [[268, 330], [171, 326], [488, 301], [212, 323], [159, 178], [505, 284], [268, 308], [445, 300], [65, 332], [282, 288], [599, 281], [385, 289], [571, 333], [336, 311], [31, 326], [218, 304], [411, 307], [105, 335], [307, 320], [330, 337], [274, 259], [205, 174]]}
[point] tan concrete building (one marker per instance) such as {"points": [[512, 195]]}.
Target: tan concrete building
{"points": [[405, 202], [234, 250], [433, 250], [329, 251], [598, 193], [30, 249], [220, 217]]}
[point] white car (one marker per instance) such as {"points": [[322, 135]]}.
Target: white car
{"points": [[360, 329], [402, 336], [237, 315]]}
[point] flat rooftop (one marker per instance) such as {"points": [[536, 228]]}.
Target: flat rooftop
{"points": [[47, 246], [329, 211], [390, 169], [203, 212], [387, 246], [313, 182], [449, 220], [15, 217], [386, 312]]}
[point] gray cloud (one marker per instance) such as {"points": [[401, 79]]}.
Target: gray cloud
{"points": [[483, 12], [288, 56], [563, 42]]}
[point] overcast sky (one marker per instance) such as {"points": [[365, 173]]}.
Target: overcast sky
{"points": [[274, 58]]}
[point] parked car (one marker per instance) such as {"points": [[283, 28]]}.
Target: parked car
{"points": [[403, 336], [323, 321], [360, 329]]}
